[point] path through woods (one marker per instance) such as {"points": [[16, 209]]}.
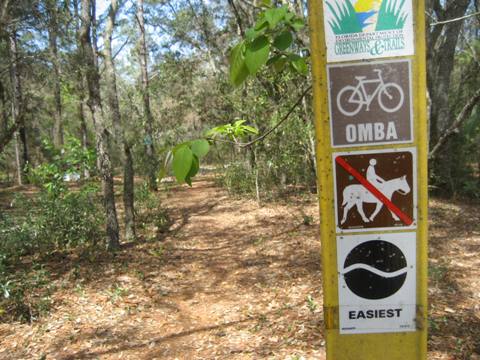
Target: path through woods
{"points": [[231, 280]]}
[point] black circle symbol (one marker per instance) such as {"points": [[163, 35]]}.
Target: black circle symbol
{"points": [[375, 269]]}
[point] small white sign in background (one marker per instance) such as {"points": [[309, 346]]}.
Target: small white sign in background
{"points": [[368, 29], [377, 283]]}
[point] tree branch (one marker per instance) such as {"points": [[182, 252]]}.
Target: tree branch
{"points": [[276, 126], [464, 114], [454, 20], [237, 17], [121, 47]]}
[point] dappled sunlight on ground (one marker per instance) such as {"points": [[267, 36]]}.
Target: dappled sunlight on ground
{"points": [[232, 280]]}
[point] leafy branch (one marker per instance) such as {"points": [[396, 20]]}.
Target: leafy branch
{"points": [[267, 43], [272, 129], [184, 160]]}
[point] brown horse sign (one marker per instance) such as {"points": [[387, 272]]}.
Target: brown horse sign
{"points": [[375, 190]]}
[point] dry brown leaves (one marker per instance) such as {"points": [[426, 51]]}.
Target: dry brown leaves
{"points": [[232, 280]]}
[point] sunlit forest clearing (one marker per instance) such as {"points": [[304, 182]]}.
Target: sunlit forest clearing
{"points": [[158, 180]]}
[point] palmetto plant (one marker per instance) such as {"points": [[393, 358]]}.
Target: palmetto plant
{"points": [[346, 20], [391, 15]]}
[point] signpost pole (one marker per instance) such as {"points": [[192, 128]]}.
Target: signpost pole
{"points": [[365, 321]]}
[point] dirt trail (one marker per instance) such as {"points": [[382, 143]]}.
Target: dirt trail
{"points": [[232, 280], [229, 281]]}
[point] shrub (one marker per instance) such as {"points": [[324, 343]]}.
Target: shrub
{"points": [[238, 179], [72, 219], [149, 209], [25, 295], [49, 223], [58, 217]]}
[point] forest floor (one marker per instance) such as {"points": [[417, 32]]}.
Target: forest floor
{"points": [[232, 280]]}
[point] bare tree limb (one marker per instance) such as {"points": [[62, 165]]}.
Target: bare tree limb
{"points": [[464, 114], [456, 19], [237, 17], [121, 47]]}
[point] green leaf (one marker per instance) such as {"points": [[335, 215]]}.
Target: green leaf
{"points": [[182, 162], [275, 15], [193, 170], [280, 64], [289, 16], [298, 64], [218, 130], [239, 122], [200, 147], [251, 129], [178, 146], [256, 54], [261, 23], [250, 34], [283, 41], [297, 24], [238, 68], [273, 59]]}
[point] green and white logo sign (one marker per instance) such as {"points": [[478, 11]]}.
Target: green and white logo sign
{"points": [[368, 29]]}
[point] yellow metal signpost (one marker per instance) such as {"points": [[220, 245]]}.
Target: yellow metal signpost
{"points": [[370, 108]]}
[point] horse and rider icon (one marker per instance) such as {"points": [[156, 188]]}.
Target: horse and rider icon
{"points": [[372, 193]]}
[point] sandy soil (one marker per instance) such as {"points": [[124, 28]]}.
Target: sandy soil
{"points": [[232, 280]]}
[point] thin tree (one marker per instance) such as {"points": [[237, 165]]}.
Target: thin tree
{"points": [[21, 145], [442, 39], [101, 133], [3, 111], [52, 11], [80, 89], [115, 117], [147, 112]]}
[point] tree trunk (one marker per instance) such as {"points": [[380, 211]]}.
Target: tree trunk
{"points": [[3, 112], [147, 113], [53, 48], [114, 110], [478, 163], [18, 161], [442, 40], [17, 110], [6, 132], [80, 89], [128, 194], [83, 129], [93, 19], [6, 137], [101, 133]]}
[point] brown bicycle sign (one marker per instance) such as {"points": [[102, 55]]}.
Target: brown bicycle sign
{"points": [[370, 104]]}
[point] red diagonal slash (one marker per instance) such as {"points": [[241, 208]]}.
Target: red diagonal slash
{"points": [[370, 187]]}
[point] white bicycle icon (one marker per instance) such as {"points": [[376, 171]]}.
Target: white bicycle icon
{"points": [[351, 99]]}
